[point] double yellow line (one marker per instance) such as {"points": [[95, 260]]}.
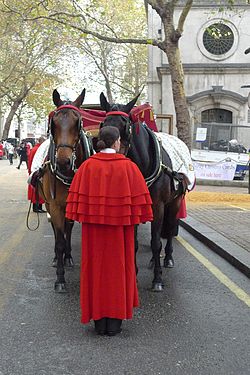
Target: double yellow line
{"points": [[240, 293]]}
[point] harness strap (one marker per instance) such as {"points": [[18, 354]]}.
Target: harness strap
{"points": [[120, 113], [177, 178], [158, 154], [65, 106]]}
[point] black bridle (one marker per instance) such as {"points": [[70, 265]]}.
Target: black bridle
{"points": [[127, 132], [53, 149]]}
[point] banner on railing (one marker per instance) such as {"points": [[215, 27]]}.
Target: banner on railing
{"points": [[224, 170]]}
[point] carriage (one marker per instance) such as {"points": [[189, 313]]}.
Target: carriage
{"points": [[93, 116], [72, 128]]}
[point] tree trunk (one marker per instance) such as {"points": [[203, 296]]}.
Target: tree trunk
{"points": [[10, 116], [179, 98]]}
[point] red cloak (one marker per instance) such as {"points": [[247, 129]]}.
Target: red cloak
{"points": [[31, 190], [108, 195]]}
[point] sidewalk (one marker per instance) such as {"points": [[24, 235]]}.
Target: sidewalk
{"points": [[219, 216]]}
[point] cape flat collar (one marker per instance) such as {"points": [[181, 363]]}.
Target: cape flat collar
{"points": [[108, 156]]}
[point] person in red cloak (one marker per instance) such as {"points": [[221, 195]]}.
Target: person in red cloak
{"points": [[109, 196], [37, 206]]}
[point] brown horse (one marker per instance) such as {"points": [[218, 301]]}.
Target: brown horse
{"points": [[166, 187], [69, 147]]}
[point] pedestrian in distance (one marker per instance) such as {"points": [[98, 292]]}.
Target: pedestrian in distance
{"points": [[11, 153], [1, 150], [22, 152], [37, 202], [109, 196], [5, 146]]}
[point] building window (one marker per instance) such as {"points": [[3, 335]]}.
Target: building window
{"points": [[218, 123], [217, 115], [218, 39]]}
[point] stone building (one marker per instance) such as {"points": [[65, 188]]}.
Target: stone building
{"points": [[215, 67]]}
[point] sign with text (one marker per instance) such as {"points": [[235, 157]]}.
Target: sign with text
{"points": [[201, 134], [224, 170]]}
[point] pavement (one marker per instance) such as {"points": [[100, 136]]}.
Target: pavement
{"points": [[219, 216]]}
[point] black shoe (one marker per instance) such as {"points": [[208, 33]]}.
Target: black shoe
{"points": [[39, 211], [113, 326], [100, 326], [17, 167], [36, 207], [40, 206]]}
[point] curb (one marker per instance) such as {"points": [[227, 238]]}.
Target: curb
{"points": [[234, 183], [233, 253]]}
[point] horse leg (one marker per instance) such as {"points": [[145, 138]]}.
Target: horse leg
{"points": [[48, 208], [68, 260], [170, 230], [156, 245], [169, 260], [60, 284], [54, 261], [60, 245]]}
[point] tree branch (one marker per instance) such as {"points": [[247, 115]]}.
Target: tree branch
{"points": [[106, 38], [183, 16]]}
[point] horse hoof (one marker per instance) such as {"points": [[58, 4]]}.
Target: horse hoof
{"points": [[54, 262], [157, 287], [151, 264], [60, 287], [68, 262], [168, 263]]}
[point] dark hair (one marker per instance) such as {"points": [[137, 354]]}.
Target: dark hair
{"points": [[107, 137]]}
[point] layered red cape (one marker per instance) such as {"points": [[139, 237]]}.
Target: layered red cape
{"points": [[31, 190], [108, 195], [109, 189]]}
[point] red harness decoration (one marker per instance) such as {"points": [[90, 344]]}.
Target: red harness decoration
{"points": [[65, 106], [144, 113], [91, 118], [117, 113], [68, 106]]}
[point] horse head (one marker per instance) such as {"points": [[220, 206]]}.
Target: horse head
{"points": [[65, 128], [118, 115]]}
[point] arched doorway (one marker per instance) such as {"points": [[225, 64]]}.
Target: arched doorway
{"points": [[219, 125]]}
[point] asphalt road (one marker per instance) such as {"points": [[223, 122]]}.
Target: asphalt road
{"points": [[199, 324]]}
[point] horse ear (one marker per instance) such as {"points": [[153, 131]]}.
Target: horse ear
{"points": [[56, 98], [130, 105], [104, 103], [78, 102]]}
